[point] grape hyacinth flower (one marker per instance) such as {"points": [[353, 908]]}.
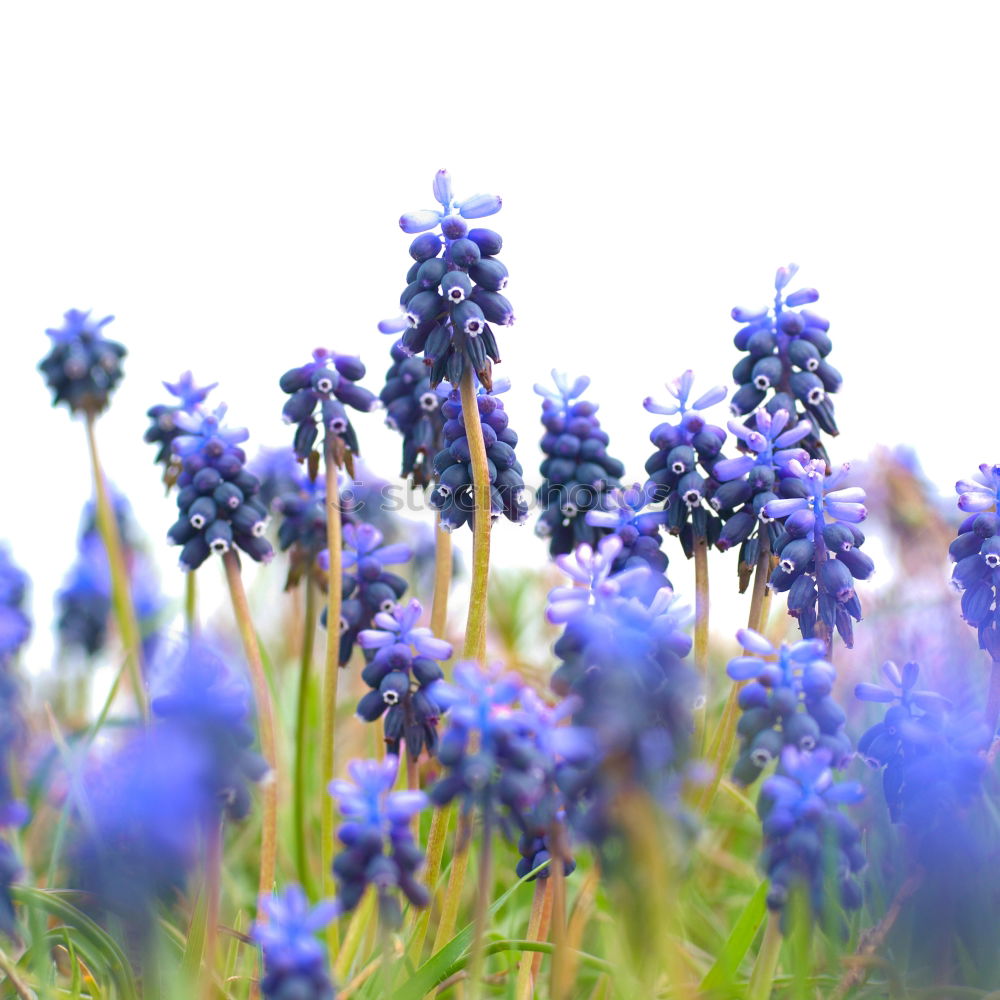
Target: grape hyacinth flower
{"points": [[807, 840], [369, 588], [413, 408], [164, 429], [976, 554], [623, 512], [404, 664], [786, 361], [452, 494], [786, 702], [295, 961], [329, 382], [277, 470], [197, 695], [302, 530], [453, 289], [379, 848], [577, 470], [15, 626], [932, 761], [681, 449], [750, 481], [217, 496], [819, 552], [84, 367]]}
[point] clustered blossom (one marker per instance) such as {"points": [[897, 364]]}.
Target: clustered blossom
{"points": [[623, 658], [808, 841], [277, 470], [413, 408], [577, 470], [453, 289], [295, 961], [976, 554], [404, 663], [681, 450], [932, 760], [83, 367], [368, 588], [453, 493], [786, 361], [217, 496], [164, 427], [301, 507], [328, 383], [751, 480], [819, 552], [786, 702], [15, 630], [379, 847]]}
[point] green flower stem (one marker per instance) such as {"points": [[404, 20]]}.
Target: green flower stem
{"points": [[762, 977], [442, 579], [331, 667], [484, 886], [525, 979], [436, 839], [9, 968], [360, 921], [301, 736], [121, 594], [265, 718], [559, 986], [725, 734], [453, 893], [191, 603], [475, 628], [701, 634]]}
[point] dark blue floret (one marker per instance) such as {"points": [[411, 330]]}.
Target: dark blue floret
{"points": [[785, 367], [163, 428], [319, 393], [453, 289], [413, 408], [578, 473], [452, 494], [83, 368]]}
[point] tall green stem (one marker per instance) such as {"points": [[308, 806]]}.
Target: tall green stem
{"points": [[442, 579], [475, 628], [121, 594], [301, 734], [762, 977], [525, 979], [191, 603], [265, 718], [482, 905], [701, 633], [453, 893], [331, 666], [432, 870]]}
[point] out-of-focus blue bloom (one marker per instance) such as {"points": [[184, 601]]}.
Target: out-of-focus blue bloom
{"points": [[369, 588], [10, 871], [624, 513], [138, 815], [217, 500], [453, 495], [164, 428], [578, 473], [786, 364], [379, 849], [84, 367], [401, 669], [196, 694], [808, 842], [820, 549], [413, 408], [786, 702], [453, 290], [277, 470], [295, 961], [15, 626], [976, 554], [327, 384], [682, 449], [301, 507]]}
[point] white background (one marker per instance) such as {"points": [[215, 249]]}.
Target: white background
{"points": [[226, 178]]}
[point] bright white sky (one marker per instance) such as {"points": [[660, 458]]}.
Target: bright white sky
{"points": [[226, 177]]}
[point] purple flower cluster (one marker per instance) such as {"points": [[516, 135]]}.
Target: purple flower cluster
{"points": [[328, 383], [217, 496], [453, 289], [404, 664], [83, 367], [164, 428], [785, 364], [453, 494], [577, 470], [379, 847]]}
